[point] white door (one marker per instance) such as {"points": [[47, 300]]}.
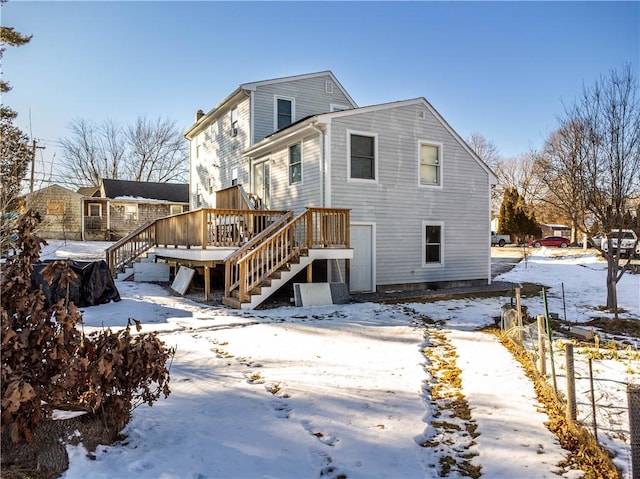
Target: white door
{"points": [[361, 275], [262, 183]]}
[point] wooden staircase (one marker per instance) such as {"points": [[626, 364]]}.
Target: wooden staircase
{"points": [[259, 269], [272, 246]]}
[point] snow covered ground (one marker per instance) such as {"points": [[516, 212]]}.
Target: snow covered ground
{"points": [[349, 390]]}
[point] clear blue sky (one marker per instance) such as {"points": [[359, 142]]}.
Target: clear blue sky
{"points": [[502, 69]]}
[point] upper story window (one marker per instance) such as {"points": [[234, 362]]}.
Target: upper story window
{"points": [[430, 164], [284, 112], [295, 163], [234, 176], [234, 122], [362, 157], [433, 243]]}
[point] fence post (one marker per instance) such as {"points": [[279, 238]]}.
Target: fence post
{"points": [[519, 316], [571, 382], [542, 360], [593, 400], [633, 395]]}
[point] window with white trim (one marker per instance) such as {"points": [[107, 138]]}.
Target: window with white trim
{"points": [[362, 157], [284, 112], [430, 164], [234, 176], [234, 122], [295, 163], [131, 212], [95, 209], [175, 209], [433, 247]]}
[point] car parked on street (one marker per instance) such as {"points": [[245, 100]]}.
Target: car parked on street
{"points": [[592, 242], [560, 241], [626, 241]]}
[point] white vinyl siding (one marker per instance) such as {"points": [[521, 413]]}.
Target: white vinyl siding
{"points": [[310, 99], [297, 196], [398, 204]]}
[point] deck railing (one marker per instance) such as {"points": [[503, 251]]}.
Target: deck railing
{"points": [[236, 198], [201, 228], [232, 271], [315, 228], [121, 253]]}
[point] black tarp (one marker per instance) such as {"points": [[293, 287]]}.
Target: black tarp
{"points": [[93, 286]]}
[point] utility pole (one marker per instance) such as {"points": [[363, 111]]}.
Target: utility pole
{"points": [[33, 161]]}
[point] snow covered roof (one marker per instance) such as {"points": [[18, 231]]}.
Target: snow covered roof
{"points": [[169, 192]]}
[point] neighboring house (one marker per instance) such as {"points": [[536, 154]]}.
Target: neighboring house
{"points": [[556, 230], [419, 197], [60, 210], [118, 207]]}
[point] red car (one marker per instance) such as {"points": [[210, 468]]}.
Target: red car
{"points": [[551, 241]]}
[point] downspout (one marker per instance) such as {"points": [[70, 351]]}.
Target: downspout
{"points": [[250, 95]]}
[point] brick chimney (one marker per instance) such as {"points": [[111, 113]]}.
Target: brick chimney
{"points": [[199, 114]]}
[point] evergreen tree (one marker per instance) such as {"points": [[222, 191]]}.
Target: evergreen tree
{"points": [[515, 218], [9, 36], [15, 156]]}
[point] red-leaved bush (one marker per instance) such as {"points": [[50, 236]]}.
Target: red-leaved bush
{"points": [[48, 362]]}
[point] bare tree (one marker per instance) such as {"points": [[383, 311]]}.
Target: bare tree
{"points": [[92, 152], [521, 172], [490, 154], [145, 151], [560, 166], [485, 149], [158, 152], [606, 120]]}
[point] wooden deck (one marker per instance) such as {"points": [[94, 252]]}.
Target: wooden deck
{"points": [[254, 245]]}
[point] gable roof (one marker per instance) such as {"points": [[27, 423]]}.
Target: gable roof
{"points": [[89, 190], [169, 192], [244, 87], [253, 85], [53, 187], [309, 122]]}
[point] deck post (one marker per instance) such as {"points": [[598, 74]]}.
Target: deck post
{"points": [[207, 282], [204, 226], [310, 273]]}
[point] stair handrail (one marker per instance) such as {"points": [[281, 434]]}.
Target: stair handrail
{"points": [[232, 279], [313, 228], [274, 252], [126, 249]]}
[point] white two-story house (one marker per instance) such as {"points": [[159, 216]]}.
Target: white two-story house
{"points": [[418, 196], [253, 111]]}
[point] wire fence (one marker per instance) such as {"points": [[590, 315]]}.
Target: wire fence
{"points": [[594, 378]]}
